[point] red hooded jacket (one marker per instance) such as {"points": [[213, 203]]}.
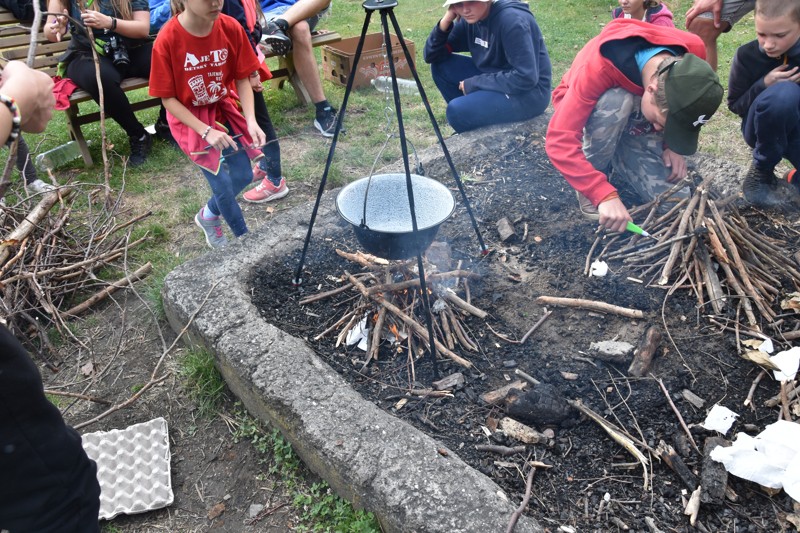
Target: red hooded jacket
{"points": [[591, 74]]}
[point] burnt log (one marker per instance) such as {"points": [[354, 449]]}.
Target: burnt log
{"points": [[643, 356], [542, 405], [673, 460], [713, 476]]}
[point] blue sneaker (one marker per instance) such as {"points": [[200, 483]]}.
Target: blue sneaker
{"points": [[212, 230]]}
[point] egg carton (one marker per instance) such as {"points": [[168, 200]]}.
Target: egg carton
{"points": [[133, 468]]}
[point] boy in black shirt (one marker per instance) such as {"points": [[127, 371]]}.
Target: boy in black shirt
{"points": [[763, 89]]}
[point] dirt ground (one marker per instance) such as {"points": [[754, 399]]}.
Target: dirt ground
{"points": [[594, 483]]}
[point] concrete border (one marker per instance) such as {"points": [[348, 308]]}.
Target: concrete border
{"points": [[368, 456]]}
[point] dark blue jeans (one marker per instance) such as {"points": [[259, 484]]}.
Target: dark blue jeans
{"points": [[480, 108], [772, 126], [234, 175]]}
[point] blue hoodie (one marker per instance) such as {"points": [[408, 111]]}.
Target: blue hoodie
{"points": [[507, 47]]}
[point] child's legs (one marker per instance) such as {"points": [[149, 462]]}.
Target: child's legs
{"points": [[484, 108], [25, 162], [449, 73], [639, 162], [81, 71], [271, 150], [603, 130], [771, 126], [234, 175]]}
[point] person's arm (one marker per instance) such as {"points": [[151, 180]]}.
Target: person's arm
{"points": [[136, 28], [704, 6], [56, 26], [446, 37], [32, 92], [743, 84], [573, 102], [246, 99]]}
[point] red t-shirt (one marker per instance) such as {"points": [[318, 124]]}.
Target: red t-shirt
{"points": [[200, 70]]}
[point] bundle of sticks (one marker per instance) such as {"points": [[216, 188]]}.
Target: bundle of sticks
{"points": [[52, 249], [690, 240], [389, 299]]}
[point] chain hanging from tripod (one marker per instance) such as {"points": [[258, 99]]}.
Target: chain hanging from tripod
{"points": [[388, 108]]}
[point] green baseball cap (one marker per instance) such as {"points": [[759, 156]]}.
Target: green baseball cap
{"points": [[693, 95]]}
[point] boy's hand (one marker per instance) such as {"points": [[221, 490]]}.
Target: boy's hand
{"points": [[704, 6], [676, 163], [613, 215], [450, 16], [782, 73]]}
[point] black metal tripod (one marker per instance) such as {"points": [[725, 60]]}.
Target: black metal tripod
{"points": [[386, 9]]}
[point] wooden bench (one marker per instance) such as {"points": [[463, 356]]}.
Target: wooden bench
{"points": [[15, 42]]}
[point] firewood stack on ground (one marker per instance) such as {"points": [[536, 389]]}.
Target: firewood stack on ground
{"points": [[53, 249], [389, 308], [706, 246]]}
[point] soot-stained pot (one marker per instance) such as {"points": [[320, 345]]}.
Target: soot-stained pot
{"points": [[382, 224]]}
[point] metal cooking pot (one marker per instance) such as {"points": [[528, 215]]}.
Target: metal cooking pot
{"points": [[378, 209]]}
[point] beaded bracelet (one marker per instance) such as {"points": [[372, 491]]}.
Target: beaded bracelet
{"points": [[205, 133], [15, 117]]}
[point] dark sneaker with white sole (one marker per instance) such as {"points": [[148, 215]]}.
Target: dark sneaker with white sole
{"points": [[276, 38], [140, 148], [325, 121]]}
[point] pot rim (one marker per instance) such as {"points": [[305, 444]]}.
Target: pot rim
{"points": [[414, 177]]}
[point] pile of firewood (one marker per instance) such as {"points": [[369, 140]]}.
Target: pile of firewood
{"points": [[52, 249], [708, 247], [389, 308]]}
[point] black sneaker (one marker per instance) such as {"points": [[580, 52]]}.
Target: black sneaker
{"points": [[276, 38], [163, 132], [763, 189], [140, 148], [326, 121]]}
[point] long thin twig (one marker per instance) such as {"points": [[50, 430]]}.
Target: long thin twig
{"points": [[677, 413]]}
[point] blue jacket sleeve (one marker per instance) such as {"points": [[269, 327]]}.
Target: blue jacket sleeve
{"points": [[522, 48], [743, 85], [441, 44]]}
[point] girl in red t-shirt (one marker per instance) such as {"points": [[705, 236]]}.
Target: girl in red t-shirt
{"points": [[199, 57]]}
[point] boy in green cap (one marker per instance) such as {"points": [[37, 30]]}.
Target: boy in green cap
{"points": [[634, 99]]}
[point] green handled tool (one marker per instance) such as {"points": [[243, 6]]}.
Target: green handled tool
{"points": [[633, 228]]}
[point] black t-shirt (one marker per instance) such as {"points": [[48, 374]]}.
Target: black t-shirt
{"points": [[47, 482]]}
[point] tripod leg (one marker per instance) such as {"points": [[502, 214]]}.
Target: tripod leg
{"points": [[298, 280], [456, 176], [426, 304]]}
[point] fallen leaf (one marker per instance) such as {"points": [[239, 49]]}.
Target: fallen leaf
{"points": [[270, 210], [571, 376], [759, 358], [215, 511], [792, 302]]}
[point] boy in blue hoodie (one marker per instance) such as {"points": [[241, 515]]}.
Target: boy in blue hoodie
{"points": [[763, 89], [508, 76]]}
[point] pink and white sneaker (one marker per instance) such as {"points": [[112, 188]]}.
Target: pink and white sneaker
{"points": [[266, 192]]}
